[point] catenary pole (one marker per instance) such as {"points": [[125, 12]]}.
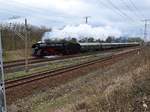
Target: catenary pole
{"points": [[2, 84], [145, 28], [26, 46], [86, 19]]}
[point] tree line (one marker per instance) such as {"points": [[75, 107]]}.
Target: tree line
{"points": [[109, 39], [11, 32]]}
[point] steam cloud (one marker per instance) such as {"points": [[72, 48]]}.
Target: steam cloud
{"points": [[81, 31]]}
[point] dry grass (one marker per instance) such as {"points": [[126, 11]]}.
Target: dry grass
{"points": [[122, 87], [15, 55]]}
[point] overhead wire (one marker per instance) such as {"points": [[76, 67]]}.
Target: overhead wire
{"points": [[136, 9], [132, 11], [37, 12], [119, 10], [106, 6], [41, 11], [26, 9], [25, 6], [125, 3]]}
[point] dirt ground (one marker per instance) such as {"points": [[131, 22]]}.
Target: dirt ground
{"points": [[121, 87]]}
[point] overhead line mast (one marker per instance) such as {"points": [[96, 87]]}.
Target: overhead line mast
{"points": [[2, 82], [26, 46], [145, 28], [86, 19]]}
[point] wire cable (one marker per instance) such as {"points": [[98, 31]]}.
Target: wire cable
{"points": [[136, 9], [123, 13], [130, 8], [112, 9]]}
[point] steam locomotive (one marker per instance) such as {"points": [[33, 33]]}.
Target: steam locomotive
{"points": [[68, 48]]}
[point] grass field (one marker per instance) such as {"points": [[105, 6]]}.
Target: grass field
{"points": [[15, 55], [121, 87], [57, 64]]}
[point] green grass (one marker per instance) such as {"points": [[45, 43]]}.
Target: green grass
{"points": [[54, 65]]}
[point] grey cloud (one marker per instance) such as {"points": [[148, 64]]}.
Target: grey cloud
{"points": [[101, 15]]}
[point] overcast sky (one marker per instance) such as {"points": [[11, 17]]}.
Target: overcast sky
{"points": [[124, 15]]}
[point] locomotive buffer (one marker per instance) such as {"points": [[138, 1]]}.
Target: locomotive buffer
{"points": [[2, 87]]}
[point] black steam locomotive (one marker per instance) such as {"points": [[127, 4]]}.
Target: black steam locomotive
{"points": [[59, 48], [69, 48]]}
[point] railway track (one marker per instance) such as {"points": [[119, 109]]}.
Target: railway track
{"points": [[37, 60], [38, 76], [31, 61], [17, 63]]}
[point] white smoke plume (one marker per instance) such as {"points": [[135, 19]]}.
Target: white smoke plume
{"points": [[81, 31]]}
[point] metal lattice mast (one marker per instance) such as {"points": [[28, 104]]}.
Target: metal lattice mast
{"points": [[145, 29], [2, 84], [26, 46], [86, 19]]}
